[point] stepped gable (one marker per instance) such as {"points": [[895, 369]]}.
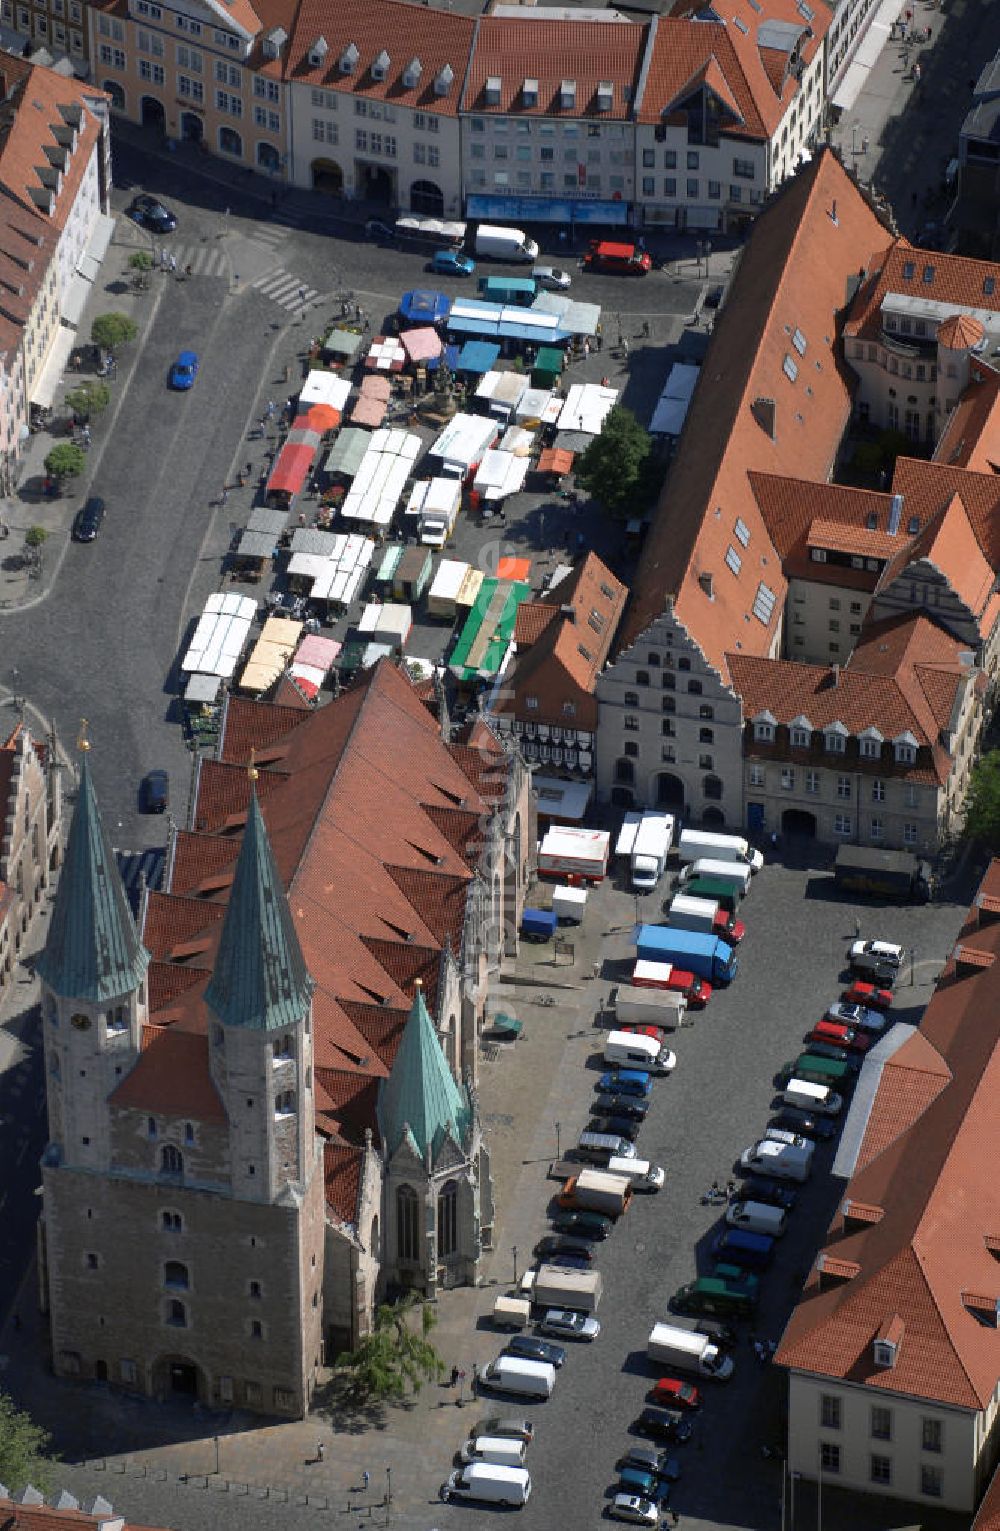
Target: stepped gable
{"points": [[949, 542], [771, 397]]}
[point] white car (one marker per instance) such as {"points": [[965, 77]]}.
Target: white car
{"points": [[857, 1015], [552, 277], [568, 1324], [884, 951], [637, 1511], [782, 1135]]}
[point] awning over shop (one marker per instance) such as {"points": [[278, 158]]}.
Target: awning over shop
{"points": [[81, 283], [555, 460], [847, 91], [514, 568], [346, 453], [291, 469], [47, 382], [318, 651], [271, 654], [421, 306], [423, 344], [325, 388], [469, 316], [587, 407], [342, 343], [477, 356], [221, 632], [547, 209]]}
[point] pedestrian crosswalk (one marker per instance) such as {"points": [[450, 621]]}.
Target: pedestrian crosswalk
{"points": [[204, 260], [137, 867], [286, 289]]}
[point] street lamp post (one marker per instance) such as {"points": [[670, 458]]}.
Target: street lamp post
{"points": [[558, 1140], [514, 1251], [217, 1469]]}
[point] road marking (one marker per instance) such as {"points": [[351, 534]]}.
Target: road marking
{"points": [[285, 289], [269, 234], [202, 260]]}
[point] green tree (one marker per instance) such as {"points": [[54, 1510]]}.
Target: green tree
{"points": [[615, 467], [141, 261], [396, 1355], [113, 330], [66, 460], [88, 399], [35, 536], [23, 1449], [982, 804]]}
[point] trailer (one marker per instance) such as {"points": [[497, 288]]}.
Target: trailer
{"points": [[569, 905], [511, 1313], [579, 852], [882, 874], [648, 1007], [596, 1191], [554, 1287]]}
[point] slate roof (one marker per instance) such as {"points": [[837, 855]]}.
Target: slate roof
{"points": [[421, 1101], [929, 1259], [93, 951]]}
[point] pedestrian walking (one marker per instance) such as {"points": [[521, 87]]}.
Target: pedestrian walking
{"points": [[173, 265], [645, 329], [189, 271], [857, 928], [320, 1451], [224, 495], [586, 349], [302, 297], [366, 1478], [454, 1376]]}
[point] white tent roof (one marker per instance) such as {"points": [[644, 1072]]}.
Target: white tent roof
{"points": [[221, 635], [587, 407], [500, 474], [326, 388], [381, 477]]}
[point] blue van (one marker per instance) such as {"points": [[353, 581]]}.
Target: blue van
{"points": [[751, 1251], [625, 1082]]}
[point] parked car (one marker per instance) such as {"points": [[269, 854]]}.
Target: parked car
{"points": [[184, 371], [660, 1425], [569, 1262], [552, 277], [376, 229], [636, 1480], [650, 1459], [625, 1082], [874, 969], [783, 1135], [866, 994], [638, 1512], [656, 1033], [721, 1333], [529, 1349], [672, 1393], [88, 519], [836, 1054], [858, 1016], [452, 263], [592, 1225], [803, 1122], [151, 214], [773, 1193], [156, 791], [567, 1323], [882, 951], [558, 1244], [621, 1105], [616, 1126], [840, 1036], [506, 1425]]}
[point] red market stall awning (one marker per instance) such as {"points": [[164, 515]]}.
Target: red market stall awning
{"points": [[318, 417], [291, 469], [514, 568]]}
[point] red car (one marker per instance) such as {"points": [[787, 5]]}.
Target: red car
{"points": [[673, 1393], [727, 928], [840, 1036], [868, 994], [656, 1032]]}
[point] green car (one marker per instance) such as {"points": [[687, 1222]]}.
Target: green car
{"points": [[717, 1295], [591, 1225]]}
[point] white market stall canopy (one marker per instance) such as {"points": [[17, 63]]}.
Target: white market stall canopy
{"points": [[338, 574], [517, 440], [387, 621], [577, 318], [325, 388], [221, 635], [673, 403], [502, 391], [587, 407], [381, 477], [463, 441], [500, 474], [539, 404]]}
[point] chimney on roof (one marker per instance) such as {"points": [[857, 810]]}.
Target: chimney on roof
{"points": [[835, 675], [569, 612], [765, 413]]}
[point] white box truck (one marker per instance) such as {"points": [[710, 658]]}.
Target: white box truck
{"points": [[569, 905], [554, 1287], [640, 1174], [490, 1483], [653, 840], [685, 1351], [784, 1160], [625, 844], [520, 1377], [631, 1050], [596, 1191], [700, 845], [648, 1007], [504, 244], [580, 852], [687, 913]]}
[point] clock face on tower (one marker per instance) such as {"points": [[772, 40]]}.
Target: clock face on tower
{"points": [[81, 1022]]}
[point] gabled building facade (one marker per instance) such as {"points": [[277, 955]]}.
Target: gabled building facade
{"points": [[30, 844]]}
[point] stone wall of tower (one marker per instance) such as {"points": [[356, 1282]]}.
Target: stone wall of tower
{"points": [[89, 1049]]}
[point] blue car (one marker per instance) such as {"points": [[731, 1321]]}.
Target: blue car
{"points": [[184, 371], [452, 263]]}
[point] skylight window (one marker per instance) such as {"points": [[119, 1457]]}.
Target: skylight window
{"points": [[763, 603], [741, 26], [799, 342], [742, 532], [733, 560], [928, 274], [790, 368], [909, 271]]}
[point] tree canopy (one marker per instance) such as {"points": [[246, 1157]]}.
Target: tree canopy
{"points": [[88, 399], [113, 330], [616, 466], [982, 805], [23, 1448], [66, 460], [396, 1355]]}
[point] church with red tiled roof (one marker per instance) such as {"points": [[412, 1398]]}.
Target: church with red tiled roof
{"points": [[262, 1099]]}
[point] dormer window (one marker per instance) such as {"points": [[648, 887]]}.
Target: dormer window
{"points": [[605, 95], [412, 73], [318, 52], [494, 86], [567, 95], [885, 1346], [835, 739], [444, 80], [799, 738], [884, 1354], [763, 727], [349, 58], [871, 744], [380, 66], [905, 749], [274, 42], [529, 92]]}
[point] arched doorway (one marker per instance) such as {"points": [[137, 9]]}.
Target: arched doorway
{"points": [[184, 1378], [426, 197], [799, 823], [622, 797], [669, 791], [268, 158], [152, 113], [713, 816], [192, 128], [100, 1371], [327, 177], [231, 143], [117, 93], [375, 184]]}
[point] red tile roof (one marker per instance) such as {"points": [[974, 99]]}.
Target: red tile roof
{"points": [[925, 274], [747, 414], [42, 1517], [171, 1077], [971, 437], [588, 53], [342, 1176], [935, 1181]]}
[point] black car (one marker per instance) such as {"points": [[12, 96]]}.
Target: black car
{"points": [[88, 520], [874, 969], [797, 1120], [151, 214], [156, 791], [555, 1244], [660, 1425], [621, 1105], [773, 1193], [617, 1127], [585, 1224], [721, 1333], [530, 1349]]}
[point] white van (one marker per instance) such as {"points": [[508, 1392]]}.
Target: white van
{"points": [[640, 1174], [489, 1482], [630, 1050], [729, 871], [599, 1147], [700, 845], [502, 1450], [523, 1378], [812, 1097], [757, 1217]]}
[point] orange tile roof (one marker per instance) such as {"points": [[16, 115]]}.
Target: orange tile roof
{"points": [[961, 331], [936, 1183], [949, 543], [509, 49], [792, 280], [404, 31], [971, 437], [930, 275], [171, 1077], [15, 1516], [342, 1177], [910, 1080], [852, 539]]}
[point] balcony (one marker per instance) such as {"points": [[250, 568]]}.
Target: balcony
{"points": [[916, 347]]}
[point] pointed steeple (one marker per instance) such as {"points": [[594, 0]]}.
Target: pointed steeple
{"points": [[420, 1096], [260, 980], [93, 951]]}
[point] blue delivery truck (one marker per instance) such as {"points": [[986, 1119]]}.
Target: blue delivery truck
{"points": [[705, 955]]}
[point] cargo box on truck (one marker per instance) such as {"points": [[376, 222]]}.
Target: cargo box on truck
{"points": [[648, 1007], [538, 925], [580, 852], [640, 1174], [707, 956], [882, 874], [554, 1287], [597, 1191], [684, 1350], [511, 1313], [625, 843], [689, 912], [569, 905], [700, 845], [520, 1377], [650, 850], [736, 872]]}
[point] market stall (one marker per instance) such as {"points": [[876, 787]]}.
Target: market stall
{"points": [[313, 661], [292, 467], [386, 354], [270, 655], [258, 542], [381, 478], [369, 411], [501, 392], [220, 636], [341, 346], [500, 474], [386, 622], [517, 440], [421, 345], [335, 575], [486, 641], [344, 457], [587, 407], [477, 357], [675, 400], [325, 388], [538, 406], [555, 463]]}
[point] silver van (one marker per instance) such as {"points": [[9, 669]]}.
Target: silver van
{"points": [[757, 1217], [640, 1174], [599, 1147]]}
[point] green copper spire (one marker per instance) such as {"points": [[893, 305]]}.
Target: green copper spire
{"points": [[260, 978], [93, 951], [420, 1094]]}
